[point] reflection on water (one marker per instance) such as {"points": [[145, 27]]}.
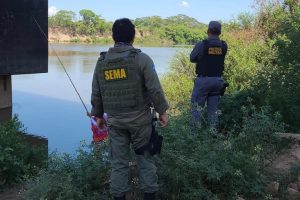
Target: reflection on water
{"points": [[49, 106], [64, 123]]}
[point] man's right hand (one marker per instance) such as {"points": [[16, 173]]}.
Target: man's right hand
{"points": [[163, 119], [101, 123]]}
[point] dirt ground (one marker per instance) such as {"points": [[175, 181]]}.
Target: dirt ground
{"points": [[14, 193], [288, 157]]}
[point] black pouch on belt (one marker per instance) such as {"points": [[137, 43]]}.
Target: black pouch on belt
{"points": [[225, 85], [154, 145]]}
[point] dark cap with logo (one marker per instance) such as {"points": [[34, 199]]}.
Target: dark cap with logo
{"points": [[215, 27]]}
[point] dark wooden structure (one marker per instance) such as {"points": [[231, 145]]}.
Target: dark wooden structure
{"points": [[23, 47], [5, 98]]}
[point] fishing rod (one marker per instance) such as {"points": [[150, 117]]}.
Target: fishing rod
{"points": [[61, 63], [99, 134]]}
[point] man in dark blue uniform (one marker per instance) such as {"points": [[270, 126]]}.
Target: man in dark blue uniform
{"points": [[209, 56]]}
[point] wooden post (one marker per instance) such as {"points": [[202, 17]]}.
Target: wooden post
{"points": [[5, 98]]}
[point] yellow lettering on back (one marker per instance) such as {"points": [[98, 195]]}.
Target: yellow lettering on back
{"points": [[123, 73], [117, 74], [106, 75], [215, 51], [111, 75]]}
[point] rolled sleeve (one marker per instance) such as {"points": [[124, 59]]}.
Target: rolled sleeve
{"points": [[96, 98], [226, 48], [152, 84], [197, 52]]}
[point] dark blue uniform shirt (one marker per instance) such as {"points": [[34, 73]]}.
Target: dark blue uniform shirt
{"points": [[198, 50]]}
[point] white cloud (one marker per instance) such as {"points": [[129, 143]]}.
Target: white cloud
{"points": [[52, 10], [184, 4]]}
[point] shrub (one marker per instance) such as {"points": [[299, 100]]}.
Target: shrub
{"points": [[178, 82], [81, 176], [279, 81], [202, 164], [18, 159]]}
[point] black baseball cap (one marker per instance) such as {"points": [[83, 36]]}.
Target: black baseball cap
{"points": [[215, 27]]}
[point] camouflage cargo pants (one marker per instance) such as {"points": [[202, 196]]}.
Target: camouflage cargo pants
{"points": [[120, 140]]}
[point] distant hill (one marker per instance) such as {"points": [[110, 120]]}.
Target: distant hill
{"points": [[179, 29]]}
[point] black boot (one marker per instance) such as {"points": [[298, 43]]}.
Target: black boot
{"points": [[120, 198], [149, 196]]}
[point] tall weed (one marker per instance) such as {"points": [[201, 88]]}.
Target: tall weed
{"points": [[81, 176], [204, 164], [18, 159]]}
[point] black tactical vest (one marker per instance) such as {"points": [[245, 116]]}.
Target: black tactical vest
{"points": [[212, 62], [121, 84]]}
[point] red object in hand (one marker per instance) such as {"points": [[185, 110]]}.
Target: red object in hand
{"points": [[99, 134]]}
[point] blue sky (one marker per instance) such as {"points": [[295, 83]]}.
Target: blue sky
{"points": [[202, 10]]}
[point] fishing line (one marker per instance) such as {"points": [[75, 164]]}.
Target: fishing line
{"points": [[98, 134], [44, 34]]}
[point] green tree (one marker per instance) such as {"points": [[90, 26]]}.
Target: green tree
{"points": [[62, 18], [280, 23], [91, 22], [184, 20], [152, 21]]}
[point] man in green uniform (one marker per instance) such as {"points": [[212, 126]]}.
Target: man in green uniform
{"points": [[125, 86]]}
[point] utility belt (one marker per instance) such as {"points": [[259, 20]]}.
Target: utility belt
{"points": [[221, 92], [155, 143]]}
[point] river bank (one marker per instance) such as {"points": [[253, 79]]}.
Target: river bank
{"points": [[58, 35]]}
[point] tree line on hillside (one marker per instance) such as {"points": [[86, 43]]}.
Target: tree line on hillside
{"points": [[179, 29]]}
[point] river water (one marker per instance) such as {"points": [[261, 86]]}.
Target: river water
{"points": [[47, 104]]}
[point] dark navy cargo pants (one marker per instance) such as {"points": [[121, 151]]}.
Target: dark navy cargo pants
{"points": [[203, 86]]}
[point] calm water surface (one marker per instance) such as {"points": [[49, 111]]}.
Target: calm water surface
{"points": [[48, 105]]}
